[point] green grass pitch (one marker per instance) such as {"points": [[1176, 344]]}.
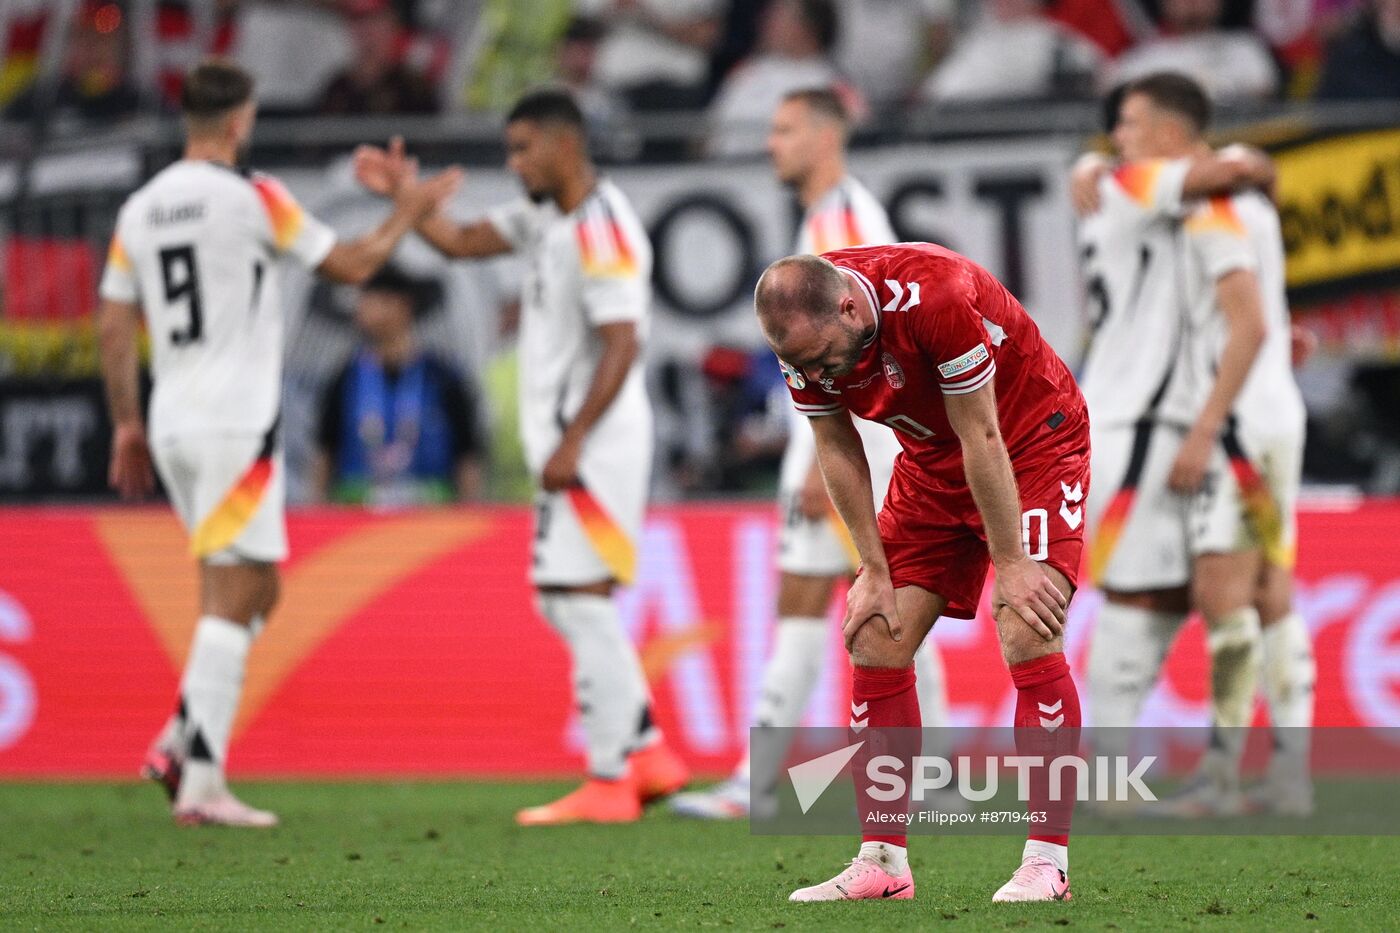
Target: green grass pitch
{"points": [[447, 856]]}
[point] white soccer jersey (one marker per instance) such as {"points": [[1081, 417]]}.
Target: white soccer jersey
{"points": [[587, 268], [1222, 235], [196, 247], [847, 215], [1130, 250]]}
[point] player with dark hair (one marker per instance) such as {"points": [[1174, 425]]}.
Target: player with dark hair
{"points": [[1198, 442], [586, 425], [994, 469], [195, 252]]}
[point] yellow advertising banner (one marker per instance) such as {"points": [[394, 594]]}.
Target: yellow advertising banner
{"points": [[1339, 201]]}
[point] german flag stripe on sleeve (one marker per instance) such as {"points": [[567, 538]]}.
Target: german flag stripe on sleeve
{"points": [[617, 551], [835, 228], [1217, 215], [602, 246], [850, 227], [117, 257], [283, 211], [816, 234], [1139, 180]]}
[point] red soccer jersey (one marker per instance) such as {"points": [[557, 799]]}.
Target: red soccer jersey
{"points": [[945, 326]]}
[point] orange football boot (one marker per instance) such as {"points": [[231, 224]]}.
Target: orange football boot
{"points": [[594, 801], [657, 771]]}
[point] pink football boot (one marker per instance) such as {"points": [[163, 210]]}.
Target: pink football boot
{"points": [[223, 810], [1038, 879], [865, 879]]}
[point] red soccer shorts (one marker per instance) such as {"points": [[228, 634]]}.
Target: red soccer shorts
{"points": [[933, 534]]}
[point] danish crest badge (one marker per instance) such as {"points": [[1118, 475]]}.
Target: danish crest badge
{"points": [[894, 373], [793, 376]]}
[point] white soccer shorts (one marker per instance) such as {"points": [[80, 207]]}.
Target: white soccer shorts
{"points": [[1138, 529], [1250, 497], [230, 494], [593, 532], [811, 547]]}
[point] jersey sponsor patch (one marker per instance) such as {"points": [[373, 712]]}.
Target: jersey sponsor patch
{"points": [[792, 376], [969, 360]]}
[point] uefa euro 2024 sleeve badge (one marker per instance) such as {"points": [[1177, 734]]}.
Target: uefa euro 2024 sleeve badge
{"points": [[894, 373], [793, 376]]}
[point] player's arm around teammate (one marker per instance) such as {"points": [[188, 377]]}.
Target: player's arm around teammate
{"points": [[1233, 168]]}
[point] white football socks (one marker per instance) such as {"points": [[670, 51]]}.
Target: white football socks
{"points": [[1289, 672], [894, 859], [792, 672], [931, 685], [1055, 852], [1125, 658], [173, 739], [1234, 643], [932, 689], [1233, 640], [210, 691], [609, 686]]}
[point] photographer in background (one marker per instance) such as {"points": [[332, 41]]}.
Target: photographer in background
{"points": [[398, 426]]}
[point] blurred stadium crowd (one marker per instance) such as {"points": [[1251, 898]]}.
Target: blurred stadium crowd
{"points": [[87, 92], [729, 60]]}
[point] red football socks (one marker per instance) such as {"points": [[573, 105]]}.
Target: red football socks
{"points": [[884, 697], [1047, 725]]}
